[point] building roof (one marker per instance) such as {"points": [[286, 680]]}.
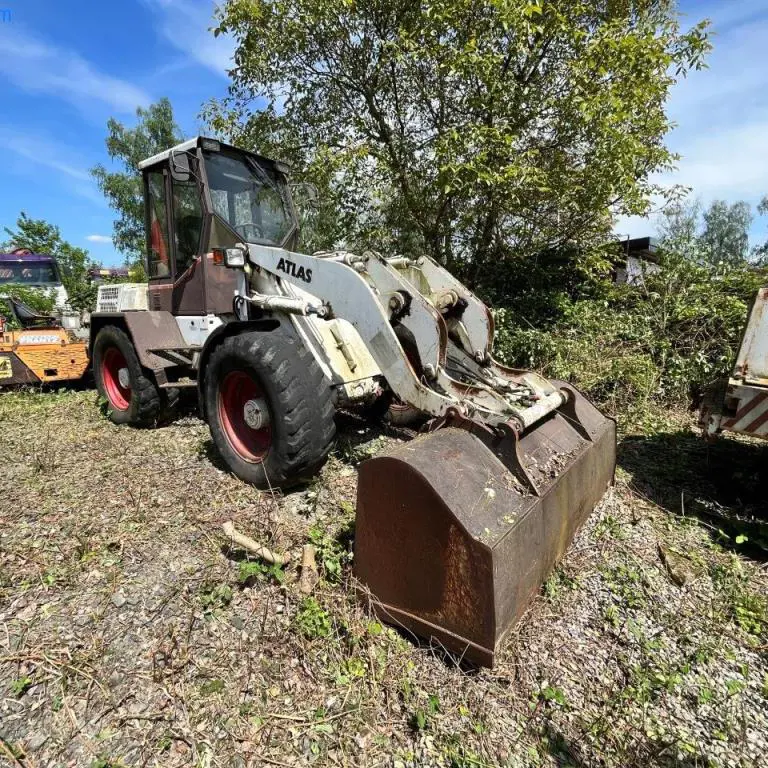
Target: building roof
{"points": [[641, 247]]}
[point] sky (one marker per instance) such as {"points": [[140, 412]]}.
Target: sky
{"points": [[721, 114], [67, 66]]}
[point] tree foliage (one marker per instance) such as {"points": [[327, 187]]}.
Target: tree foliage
{"points": [[39, 236], [720, 233], [760, 251], [726, 231], [154, 132], [471, 129]]}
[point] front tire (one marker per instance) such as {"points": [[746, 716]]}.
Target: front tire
{"points": [[132, 397], [269, 408]]}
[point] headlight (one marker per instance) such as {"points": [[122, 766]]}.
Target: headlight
{"points": [[234, 257]]}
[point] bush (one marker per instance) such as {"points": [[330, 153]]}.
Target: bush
{"points": [[627, 346]]}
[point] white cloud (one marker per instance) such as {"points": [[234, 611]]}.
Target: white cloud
{"points": [[186, 25], [32, 151], [99, 239], [35, 66]]}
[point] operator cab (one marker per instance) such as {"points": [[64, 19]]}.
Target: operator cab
{"points": [[202, 197], [23, 268]]}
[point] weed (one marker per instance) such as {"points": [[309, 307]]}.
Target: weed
{"points": [[626, 583], [460, 756], [251, 571], [734, 686], [609, 526], [421, 718], [374, 628], [212, 687], [102, 761], [611, 615], [330, 552], [215, 597], [551, 694], [312, 620], [747, 608], [558, 581], [20, 686]]}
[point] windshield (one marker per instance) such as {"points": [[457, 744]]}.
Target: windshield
{"points": [[251, 197], [29, 273]]}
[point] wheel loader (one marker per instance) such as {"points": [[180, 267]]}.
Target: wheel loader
{"points": [[456, 529]]}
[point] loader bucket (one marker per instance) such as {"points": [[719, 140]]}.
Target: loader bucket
{"points": [[454, 537]]}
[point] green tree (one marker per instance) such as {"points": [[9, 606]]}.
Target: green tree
{"points": [[726, 232], [39, 236], [154, 132], [719, 234], [469, 129], [760, 252], [679, 225]]}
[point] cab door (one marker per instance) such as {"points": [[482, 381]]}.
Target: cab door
{"points": [[174, 242], [159, 257], [188, 296]]}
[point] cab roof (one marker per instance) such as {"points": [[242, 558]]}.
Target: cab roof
{"points": [[198, 141]]}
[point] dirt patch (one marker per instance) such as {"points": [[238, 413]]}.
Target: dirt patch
{"points": [[130, 638]]}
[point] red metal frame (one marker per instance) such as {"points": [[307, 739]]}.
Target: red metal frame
{"points": [[119, 396], [237, 388]]}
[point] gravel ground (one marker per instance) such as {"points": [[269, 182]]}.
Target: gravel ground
{"points": [[130, 635]]}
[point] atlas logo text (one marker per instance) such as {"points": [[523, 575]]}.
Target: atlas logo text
{"points": [[294, 270]]}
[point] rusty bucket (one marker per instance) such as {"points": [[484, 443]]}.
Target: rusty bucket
{"points": [[455, 535]]}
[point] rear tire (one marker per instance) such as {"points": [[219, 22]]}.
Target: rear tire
{"points": [[132, 397], [276, 377]]}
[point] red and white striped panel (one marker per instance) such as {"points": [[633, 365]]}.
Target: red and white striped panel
{"points": [[752, 416]]}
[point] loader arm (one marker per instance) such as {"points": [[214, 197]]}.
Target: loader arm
{"points": [[348, 295], [373, 294]]}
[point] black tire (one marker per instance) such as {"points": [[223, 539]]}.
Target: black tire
{"points": [[170, 398], [284, 374], [139, 403]]}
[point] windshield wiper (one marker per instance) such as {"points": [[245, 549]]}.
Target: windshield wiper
{"points": [[263, 175]]}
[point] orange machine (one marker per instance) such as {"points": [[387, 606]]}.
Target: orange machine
{"points": [[39, 351]]}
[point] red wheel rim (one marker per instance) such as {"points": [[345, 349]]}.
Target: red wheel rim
{"points": [[111, 365], [237, 388]]}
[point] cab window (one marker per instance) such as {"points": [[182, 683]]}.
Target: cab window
{"points": [[158, 226], [188, 216]]}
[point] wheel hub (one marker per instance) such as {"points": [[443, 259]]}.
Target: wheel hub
{"points": [[256, 413], [124, 377]]}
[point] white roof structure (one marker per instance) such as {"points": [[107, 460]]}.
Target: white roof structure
{"points": [[191, 144], [185, 146]]}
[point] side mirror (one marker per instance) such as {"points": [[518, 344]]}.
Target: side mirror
{"points": [[180, 166]]}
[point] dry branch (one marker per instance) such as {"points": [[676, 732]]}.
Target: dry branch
{"points": [[309, 575], [253, 546]]}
